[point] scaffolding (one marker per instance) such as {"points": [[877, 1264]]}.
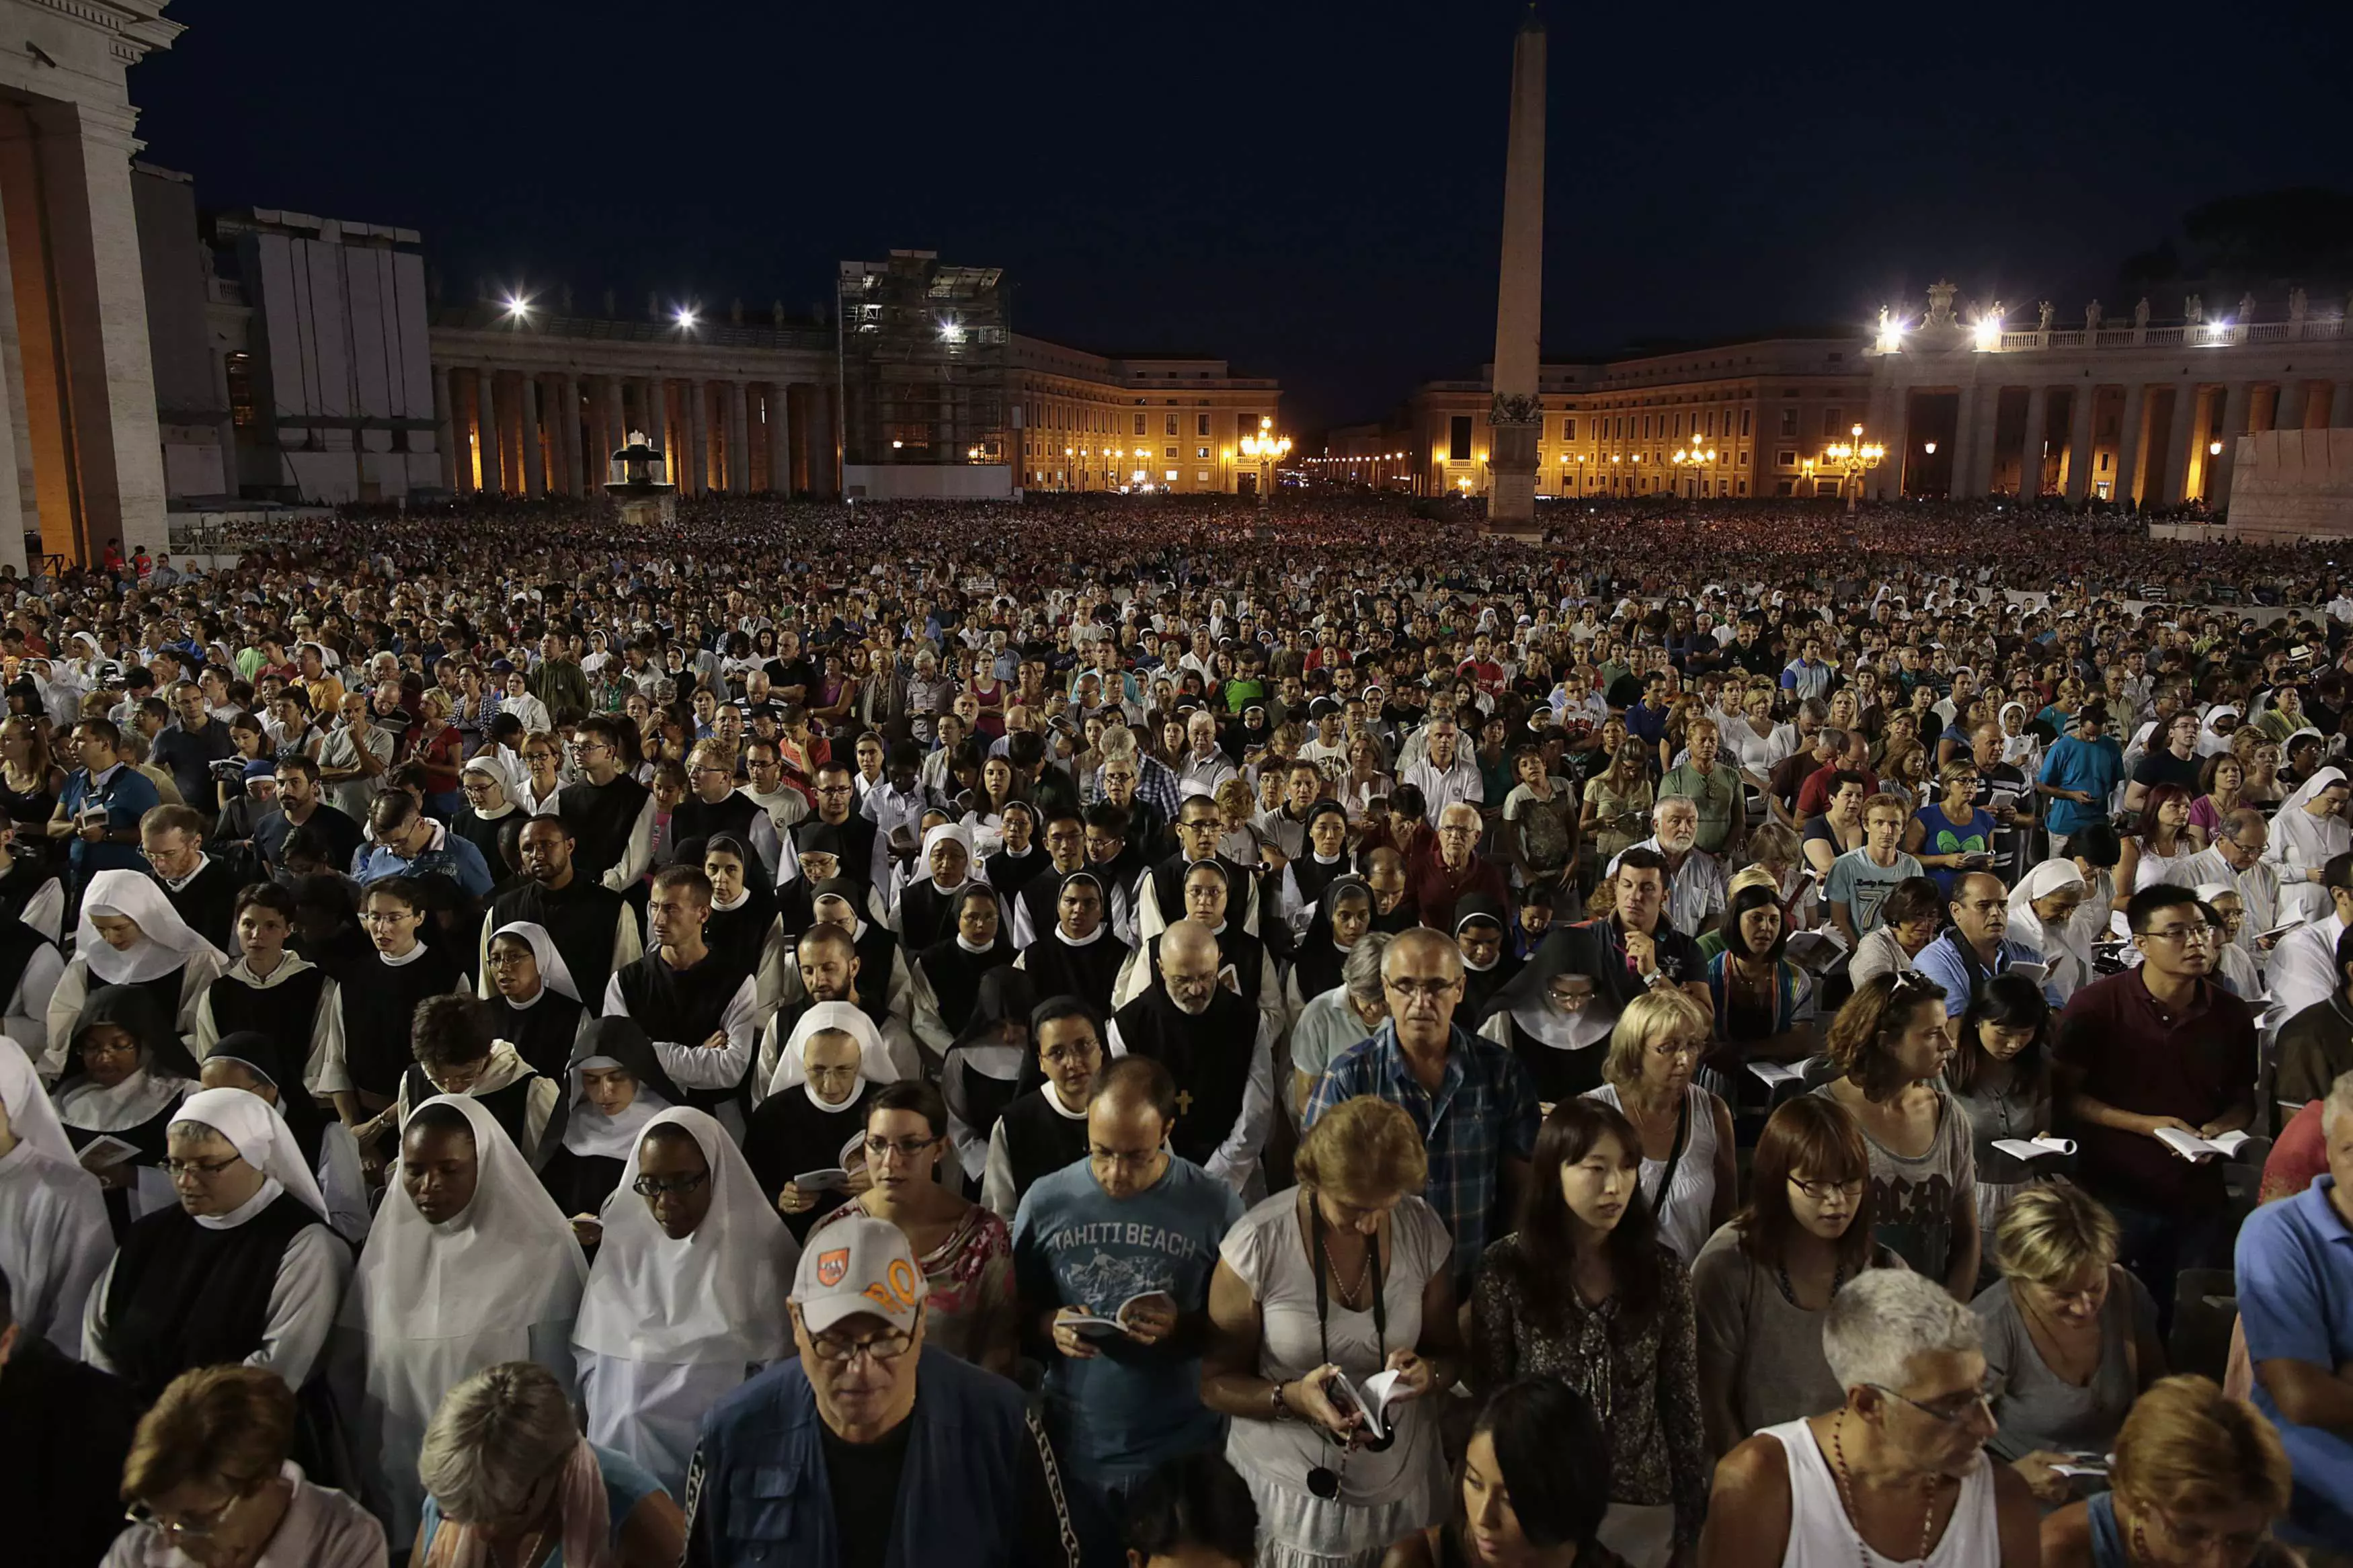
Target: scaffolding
{"points": [[924, 356]]}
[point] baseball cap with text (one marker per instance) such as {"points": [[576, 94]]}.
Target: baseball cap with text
{"points": [[858, 1264]]}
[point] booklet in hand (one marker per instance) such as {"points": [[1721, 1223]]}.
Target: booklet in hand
{"points": [[1116, 1323], [2042, 1148], [2190, 1146], [1374, 1400], [1776, 1073], [834, 1175], [106, 1150]]}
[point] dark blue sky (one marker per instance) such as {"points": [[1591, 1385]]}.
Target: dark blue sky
{"points": [[1314, 191]]}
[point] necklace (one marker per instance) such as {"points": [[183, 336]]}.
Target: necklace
{"points": [[1354, 1293], [1854, 1518], [1837, 1282]]}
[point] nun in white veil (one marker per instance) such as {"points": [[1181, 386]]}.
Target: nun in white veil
{"points": [[2308, 830], [469, 1264], [2213, 739], [813, 1111], [130, 935], [920, 905], [54, 1240], [685, 1298], [2041, 912]]}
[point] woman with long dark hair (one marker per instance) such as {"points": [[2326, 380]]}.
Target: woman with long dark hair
{"points": [[2000, 1074], [1585, 1289], [2160, 844], [1531, 1496]]}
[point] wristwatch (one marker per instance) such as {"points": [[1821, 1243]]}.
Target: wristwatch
{"points": [[1656, 978]]}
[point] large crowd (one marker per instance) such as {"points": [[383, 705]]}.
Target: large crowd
{"points": [[1109, 1030]]}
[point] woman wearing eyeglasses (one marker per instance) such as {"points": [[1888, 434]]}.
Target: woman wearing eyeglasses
{"points": [[469, 1264], [965, 1251], [680, 1306], [208, 1482], [2196, 1480], [1889, 1045]]}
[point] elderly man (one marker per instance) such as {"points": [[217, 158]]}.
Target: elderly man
{"points": [[1912, 1432], [1453, 868], [1713, 790], [1697, 889], [1205, 767], [2235, 860], [1469, 1096], [1219, 1047], [1446, 772], [2294, 1264], [832, 1458], [1977, 945], [201, 890], [1791, 774], [353, 759]]}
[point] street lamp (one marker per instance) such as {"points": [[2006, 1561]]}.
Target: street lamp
{"points": [[1697, 458], [1265, 448], [1853, 459]]}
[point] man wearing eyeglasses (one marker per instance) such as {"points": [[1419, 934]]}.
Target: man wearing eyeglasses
{"points": [[2235, 860], [713, 805], [611, 814], [2159, 1050], [833, 1458]]}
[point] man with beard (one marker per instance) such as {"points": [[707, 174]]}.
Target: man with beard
{"points": [[1696, 890], [593, 927], [1217, 1047], [832, 967]]}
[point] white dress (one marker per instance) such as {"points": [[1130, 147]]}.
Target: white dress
{"points": [[2299, 842], [1684, 1223], [55, 1242]]}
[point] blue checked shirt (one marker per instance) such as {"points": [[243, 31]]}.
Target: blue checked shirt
{"points": [[1482, 1114]]}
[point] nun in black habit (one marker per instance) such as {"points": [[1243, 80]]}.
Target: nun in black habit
{"points": [[1078, 955], [612, 1086], [948, 973], [983, 1069], [126, 1073], [535, 1007]]}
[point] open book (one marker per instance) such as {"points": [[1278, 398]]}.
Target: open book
{"points": [[834, 1175], [1374, 1399], [105, 1149], [1116, 1323], [2036, 972], [2277, 932], [2190, 1146], [1778, 1073], [1815, 950], [2041, 1147]]}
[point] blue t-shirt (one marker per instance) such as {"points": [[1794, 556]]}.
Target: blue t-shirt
{"points": [[128, 794], [1943, 835], [1130, 1406], [2095, 767], [2296, 1301], [627, 1484]]}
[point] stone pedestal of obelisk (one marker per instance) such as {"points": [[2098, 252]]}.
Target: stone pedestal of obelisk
{"points": [[1515, 416]]}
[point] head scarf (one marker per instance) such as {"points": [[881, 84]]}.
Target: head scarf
{"points": [[31, 1117], [1321, 958], [1103, 922], [162, 1074], [2042, 881], [507, 1261], [2310, 789], [2210, 739], [963, 835], [262, 1055], [618, 1041], [712, 1299], [492, 763], [252, 1125], [166, 942], [553, 973], [873, 1061]]}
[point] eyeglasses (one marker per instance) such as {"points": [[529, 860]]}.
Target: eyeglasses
{"points": [[905, 1148], [2196, 1540], [203, 1170], [2177, 934], [385, 917], [655, 1186], [1430, 990], [1953, 1409], [882, 1347], [191, 1528]]}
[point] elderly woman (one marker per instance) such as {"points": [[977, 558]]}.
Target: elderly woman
{"points": [[812, 1121], [2043, 917], [243, 1269], [130, 935], [509, 1480], [1764, 1282], [1585, 1290], [1908, 921], [209, 1482], [1889, 1048], [1350, 1274], [965, 1251], [680, 1308], [2196, 1480], [2070, 1332], [128, 1072], [469, 1264], [921, 906], [2309, 829], [1333, 1020], [1688, 1174]]}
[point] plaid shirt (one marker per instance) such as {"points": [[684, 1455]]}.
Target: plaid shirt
{"points": [[1156, 784], [1482, 1114]]}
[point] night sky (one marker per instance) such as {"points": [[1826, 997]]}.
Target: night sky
{"points": [[1312, 192]]}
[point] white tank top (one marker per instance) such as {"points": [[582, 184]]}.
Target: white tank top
{"points": [[1821, 1537], [1682, 1213]]}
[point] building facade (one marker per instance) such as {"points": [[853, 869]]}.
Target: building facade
{"points": [[1099, 421]]}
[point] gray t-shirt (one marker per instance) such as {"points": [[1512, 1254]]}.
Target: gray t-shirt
{"points": [[1862, 884], [2037, 1410], [1912, 1200], [1760, 1354]]}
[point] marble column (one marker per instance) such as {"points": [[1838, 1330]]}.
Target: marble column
{"points": [[2031, 448], [534, 459], [1965, 440], [2295, 396], [444, 426], [2082, 397], [616, 430], [486, 430], [2180, 432], [653, 406], [575, 471], [2235, 398], [739, 440], [1515, 419], [780, 441], [698, 394], [2129, 444]]}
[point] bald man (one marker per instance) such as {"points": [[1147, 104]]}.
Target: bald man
{"points": [[1453, 869], [1216, 1045], [1977, 945], [1469, 1096], [1385, 873]]}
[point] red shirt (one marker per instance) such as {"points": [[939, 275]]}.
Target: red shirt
{"points": [[2133, 1053], [2300, 1157], [1434, 887], [1814, 795]]}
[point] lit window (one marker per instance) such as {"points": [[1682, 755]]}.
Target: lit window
{"points": [[1172, 476], [1200, 476], [1200, 451]]}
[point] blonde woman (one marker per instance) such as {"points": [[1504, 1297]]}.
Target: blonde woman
{"points": [[1685, 1131]]}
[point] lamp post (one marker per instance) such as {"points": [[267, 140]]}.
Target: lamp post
{"points": [[1265, 448], [1853, 459], [1696, 458]]}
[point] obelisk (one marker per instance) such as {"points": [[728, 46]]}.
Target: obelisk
{"points": [[1515, 416]]}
